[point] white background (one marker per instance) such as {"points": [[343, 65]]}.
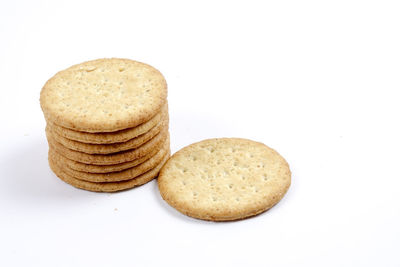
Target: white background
{"points": [[316, 80]]}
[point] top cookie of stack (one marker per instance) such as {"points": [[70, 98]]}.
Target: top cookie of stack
{"points": [[104, 95], [106, 115]]}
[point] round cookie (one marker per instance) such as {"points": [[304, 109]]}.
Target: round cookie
{"points": [[224, 179], [82, 167], [104, 95], [111, 137], [110, 159], [112, 176], [106, 187], [108, 148]]}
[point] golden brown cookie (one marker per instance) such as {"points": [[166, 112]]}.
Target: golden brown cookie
{"points": [[111, 137], [110, 159], [78, 166], [104, 95], [111, 176], [106, 187], [108, 148], [224, 179]]}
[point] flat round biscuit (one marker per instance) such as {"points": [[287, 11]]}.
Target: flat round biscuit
{"points": [[106, 187], [108, 148], [110, 159], [104, 95], [112, 176], [224, 179], [111, 137], [82, 167]]}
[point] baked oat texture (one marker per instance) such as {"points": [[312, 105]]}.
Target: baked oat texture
{"points": [[224, 179], [110, 159], [111, 137], [108, 148], [106, 187], [104, 95], [112, 176], [82, 167]]}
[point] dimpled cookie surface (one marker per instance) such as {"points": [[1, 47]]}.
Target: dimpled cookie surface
{"points": [[224, 179], [104, 95]]}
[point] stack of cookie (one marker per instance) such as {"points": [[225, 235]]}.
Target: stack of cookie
{"points": [[107, 124]]}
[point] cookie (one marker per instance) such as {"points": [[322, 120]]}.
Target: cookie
{"points": [[224, 179], [78, 166], [106, 187], [112, 176], [111, 137], [108, 148], [98, 159], [104, 95]]}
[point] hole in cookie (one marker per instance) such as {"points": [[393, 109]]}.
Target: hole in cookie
{"points": [[121, 69], [243, 177], [211, 150], [231, 186], [265, 177], [194, 194], [183, 182], [235, 163], [214, 199], [237, 199]]}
